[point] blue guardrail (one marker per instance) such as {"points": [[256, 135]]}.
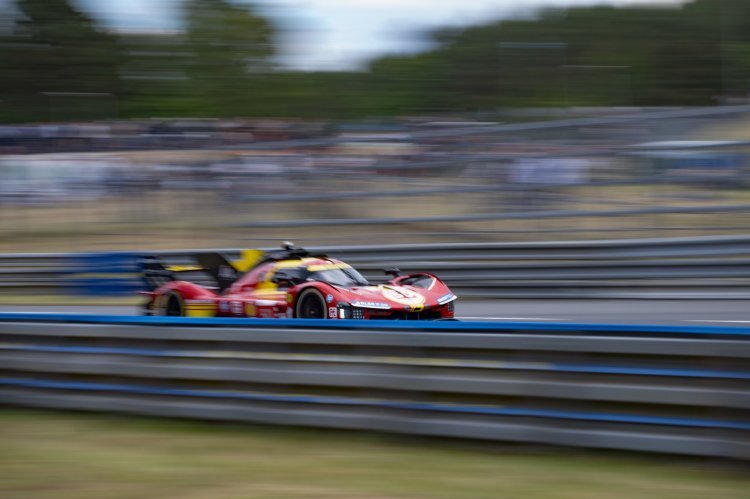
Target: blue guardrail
{"points": [[625, 330]]}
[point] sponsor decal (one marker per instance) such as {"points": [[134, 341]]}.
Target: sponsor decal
{"points": [[403, 296], [332, 312], [236, 307], [329, 298], [224, 306], [289, 298], [370, 304]]}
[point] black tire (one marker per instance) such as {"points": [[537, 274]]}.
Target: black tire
{"points": [[310, 305], [174, 306]]}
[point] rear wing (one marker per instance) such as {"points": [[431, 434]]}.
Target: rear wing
{"points": [[218, 267], [155, 273]]}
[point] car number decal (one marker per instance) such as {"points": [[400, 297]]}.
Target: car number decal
{"points": [[403, 296]]}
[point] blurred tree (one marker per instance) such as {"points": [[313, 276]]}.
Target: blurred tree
{"points": [[670, 55], [56, 65], [733, 18], [230, 49], [155, 76]]}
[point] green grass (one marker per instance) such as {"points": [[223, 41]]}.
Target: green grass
{"points": [[65, 455]]}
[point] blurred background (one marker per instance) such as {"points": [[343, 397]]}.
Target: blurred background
{"points": [[216, 123], [166, 126]]}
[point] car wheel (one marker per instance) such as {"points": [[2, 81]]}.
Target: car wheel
{"points": [[310, 305], [174, 306]]}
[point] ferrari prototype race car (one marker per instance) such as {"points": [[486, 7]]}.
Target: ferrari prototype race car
{"points": [[291, 283]]}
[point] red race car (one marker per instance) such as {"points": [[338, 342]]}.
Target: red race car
{"points": [[291, 283]]}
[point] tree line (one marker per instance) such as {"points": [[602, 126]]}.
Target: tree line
{"points": [[57, 64]]}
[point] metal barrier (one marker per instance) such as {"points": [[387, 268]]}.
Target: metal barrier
{"points": [[715, 267], [683, 390]]}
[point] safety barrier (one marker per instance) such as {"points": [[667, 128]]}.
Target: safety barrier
{"points": [[93, 274], [714, 267], [683, 390]]}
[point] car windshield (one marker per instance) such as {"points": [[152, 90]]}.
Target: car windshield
{"points": [[343, 277]]}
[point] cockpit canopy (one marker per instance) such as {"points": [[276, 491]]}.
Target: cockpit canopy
{"points": [[336, 274], [344, 277]]}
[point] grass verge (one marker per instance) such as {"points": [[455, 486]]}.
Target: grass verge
{"points": [[65, 455]]}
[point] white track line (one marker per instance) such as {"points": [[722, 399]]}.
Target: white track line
{"points": [[712, 320], [509, 319]]}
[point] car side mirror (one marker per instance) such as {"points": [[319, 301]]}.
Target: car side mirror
{"points": [[392, 271]]}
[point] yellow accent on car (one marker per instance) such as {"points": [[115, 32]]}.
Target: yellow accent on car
{"points": [[248, 259], [184, 268], [293, 264], [266, 287], [250, 310], [328, 266], [200, 309]]}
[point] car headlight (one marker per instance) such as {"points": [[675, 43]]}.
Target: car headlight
{"points": [[346, 311]]}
